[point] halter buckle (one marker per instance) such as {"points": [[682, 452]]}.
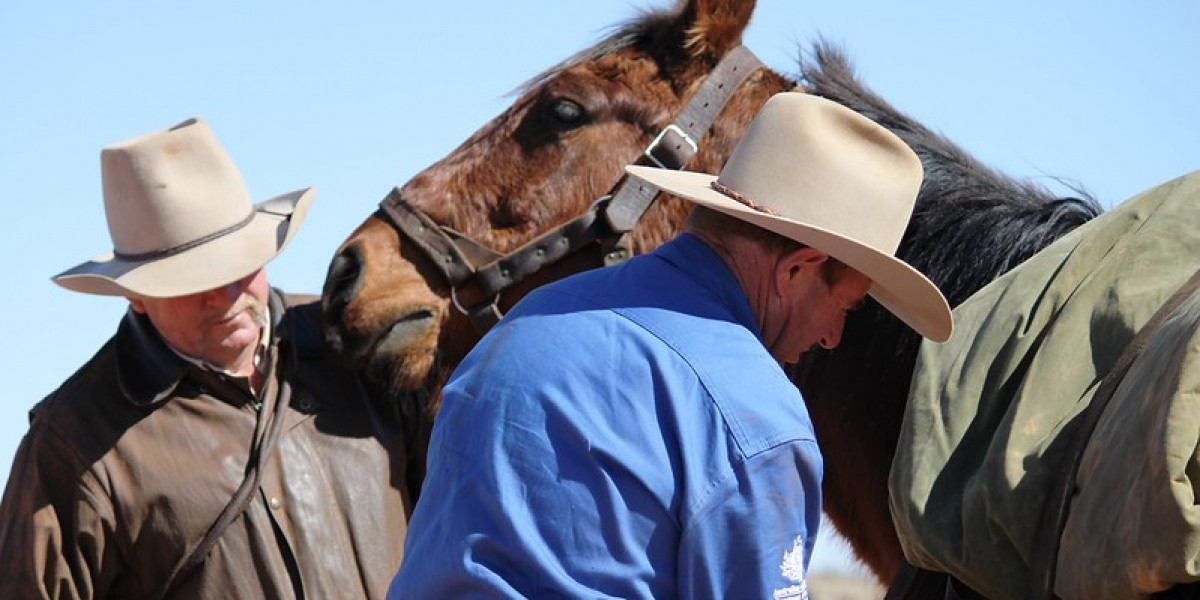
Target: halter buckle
{"points": [[678, 133]]}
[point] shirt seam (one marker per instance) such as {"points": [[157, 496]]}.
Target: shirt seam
{"points": [[712, 499]]}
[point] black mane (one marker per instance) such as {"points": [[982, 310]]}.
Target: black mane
{"points": [[961, 201]]}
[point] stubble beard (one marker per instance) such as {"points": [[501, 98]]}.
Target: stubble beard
{"points": [[258, 314]]}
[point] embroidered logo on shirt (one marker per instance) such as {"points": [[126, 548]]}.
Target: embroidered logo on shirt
{"points": [[792, 568]]}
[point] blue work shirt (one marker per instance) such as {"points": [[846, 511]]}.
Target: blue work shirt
{"points": [[622, 433]]}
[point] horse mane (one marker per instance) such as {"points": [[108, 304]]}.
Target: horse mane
{"points": [[962, 201]]}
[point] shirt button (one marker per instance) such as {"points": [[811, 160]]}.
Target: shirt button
{"points": [[275, 503]]}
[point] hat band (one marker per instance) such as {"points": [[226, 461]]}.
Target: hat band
{"points": [[173, 250], [730, 192]]}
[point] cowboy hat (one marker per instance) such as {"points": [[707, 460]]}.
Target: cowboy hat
{"points": [[814, 171], [181, 219]]}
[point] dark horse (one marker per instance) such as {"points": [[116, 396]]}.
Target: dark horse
{"points": [[563, 144]]}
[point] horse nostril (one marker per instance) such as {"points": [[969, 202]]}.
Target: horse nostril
{"points": [[343, 280]]}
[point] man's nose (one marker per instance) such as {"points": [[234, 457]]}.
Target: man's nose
{"points": [[830, 340], [224, 294]]}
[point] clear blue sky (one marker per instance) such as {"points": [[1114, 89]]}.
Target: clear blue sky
{"points": [[356, 97]]}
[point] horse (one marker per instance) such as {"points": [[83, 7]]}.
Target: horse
{"points": [[398, 305]]}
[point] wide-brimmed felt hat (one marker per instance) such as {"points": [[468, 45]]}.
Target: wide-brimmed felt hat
{"points": [[819, 173], [180, 218]]}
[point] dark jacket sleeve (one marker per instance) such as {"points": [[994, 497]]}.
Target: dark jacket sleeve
{"points": [[56, 524]]}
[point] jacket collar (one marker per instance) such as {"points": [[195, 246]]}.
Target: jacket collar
{"points": [[148, 370]]}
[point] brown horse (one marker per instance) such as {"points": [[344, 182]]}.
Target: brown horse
{"points": [[390, 308]]}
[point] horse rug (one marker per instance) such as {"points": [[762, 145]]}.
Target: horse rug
{"points": [[992, 412]]}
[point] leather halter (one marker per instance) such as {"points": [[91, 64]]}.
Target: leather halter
{"points": [[478, 275]]}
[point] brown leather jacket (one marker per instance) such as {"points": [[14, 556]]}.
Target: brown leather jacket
{"points": [[128, 464]]}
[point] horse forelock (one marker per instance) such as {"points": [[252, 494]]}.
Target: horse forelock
{"points": [[630, 33], [683, 52]]}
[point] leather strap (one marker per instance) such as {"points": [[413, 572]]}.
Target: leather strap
{"points": [[434, 240], [546, 249], [1044, 559], [678, 143]]}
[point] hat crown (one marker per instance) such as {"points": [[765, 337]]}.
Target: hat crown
{"points": [[819, 173], [181, 219], [811, 161], [170, 188]]}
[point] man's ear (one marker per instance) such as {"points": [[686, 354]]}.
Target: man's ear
{"points": [[138, 306], [794, 264]]}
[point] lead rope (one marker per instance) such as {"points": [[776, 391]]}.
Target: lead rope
{"points": [[260, 452]]}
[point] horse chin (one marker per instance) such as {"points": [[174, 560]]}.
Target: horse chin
{"points": [[403, 357]]}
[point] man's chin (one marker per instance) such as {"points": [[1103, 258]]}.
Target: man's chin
{"points": [[233, 347]]}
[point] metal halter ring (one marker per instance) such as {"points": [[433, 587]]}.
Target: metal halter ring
{"points": [[460, 307]]}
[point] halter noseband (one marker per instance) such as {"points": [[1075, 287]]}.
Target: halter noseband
{"points": [[478, 275]]}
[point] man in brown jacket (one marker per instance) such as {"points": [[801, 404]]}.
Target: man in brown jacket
{"points": [[210, 449]]}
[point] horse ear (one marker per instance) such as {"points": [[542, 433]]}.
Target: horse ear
{"points": [[714, 27]]}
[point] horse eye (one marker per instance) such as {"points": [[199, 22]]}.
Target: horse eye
{"points": [[567, 113]]}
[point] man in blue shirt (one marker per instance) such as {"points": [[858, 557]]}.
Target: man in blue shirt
{"points": [[630, 432]]}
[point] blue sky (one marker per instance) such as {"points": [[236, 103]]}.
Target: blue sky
{"points": [[356, 97]]}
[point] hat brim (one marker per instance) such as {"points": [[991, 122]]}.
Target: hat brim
{"points": [[901, 289], [207, 266]]}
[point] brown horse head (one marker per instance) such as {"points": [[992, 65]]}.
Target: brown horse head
{"points": [[564, 143], [559, 147]]}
